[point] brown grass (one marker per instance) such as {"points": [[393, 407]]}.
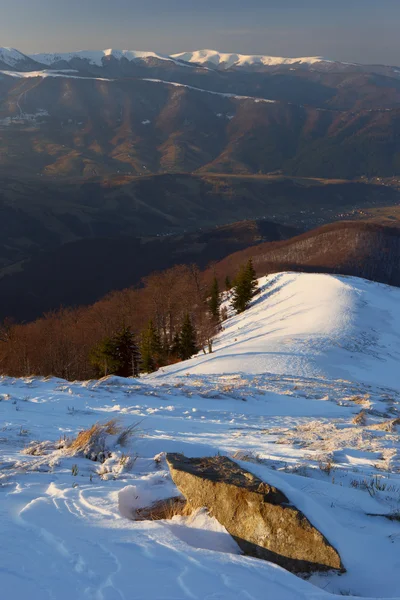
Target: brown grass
{"points": [[386, 425], [91, 436], [164, 509], [360, 418], [91, 442]]}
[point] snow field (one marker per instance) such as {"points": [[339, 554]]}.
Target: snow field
{"points": [[281, 394]]}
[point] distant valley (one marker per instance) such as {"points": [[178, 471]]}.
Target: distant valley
{"points": [[114, 164]]}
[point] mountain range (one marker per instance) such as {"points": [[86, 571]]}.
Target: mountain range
{"points": [[95, 113]]}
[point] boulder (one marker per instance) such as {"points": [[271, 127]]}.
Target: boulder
{"points": [[258, 516]]}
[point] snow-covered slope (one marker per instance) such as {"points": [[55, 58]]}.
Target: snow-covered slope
{"points": [[228, 60], [96, 57], [270, 398], [12, 57], [310, 325]]}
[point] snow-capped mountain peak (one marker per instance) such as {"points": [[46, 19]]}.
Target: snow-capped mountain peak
{"points": [[96, 57], [243, 60], [11, 56]]}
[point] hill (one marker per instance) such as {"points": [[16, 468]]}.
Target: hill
{"points": [[311, 326], [364, 249], [301, 391]]}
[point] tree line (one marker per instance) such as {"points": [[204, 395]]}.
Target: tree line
{"points": [[174, 315]]}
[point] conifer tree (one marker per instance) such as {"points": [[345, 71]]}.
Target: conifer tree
{"points": [[150, 349], [215, 301], [117, 355], [176, 345], [127, 353], [245, 287], [102, 357], [251, 277], [228, 283], [187, 339]]}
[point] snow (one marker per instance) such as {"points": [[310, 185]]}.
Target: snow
{"points": [[196, 89], [11, 56], [65, 73], [279, 395], [96, 57], [228, 60], [338, 328]]}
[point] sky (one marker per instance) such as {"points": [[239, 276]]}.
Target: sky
{"points": [[352, 30]]}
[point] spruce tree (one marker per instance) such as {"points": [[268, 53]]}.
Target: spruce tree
{"points": [[102, 357], [117, 355], [127, 353], [175, 349], [251, 277], [228, 283], [245, 287], [215, 301], [150, 348], [187, 338]]}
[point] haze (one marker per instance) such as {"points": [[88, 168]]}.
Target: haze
{"points": [[359, 30]]}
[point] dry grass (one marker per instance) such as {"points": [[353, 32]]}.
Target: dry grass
{"points": [[164, 509], [386, 425], [91, 443], [39, 448], [360, 418], [326, 467], [127, 433], [247, 456], [361, 400]]}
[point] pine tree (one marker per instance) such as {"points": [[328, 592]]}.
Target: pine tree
{"points": [[245, 287], [102, 357], [215, 301], [150, 348], [251, 277], [228, 283], [117, 355], [175, 349], [127, 353], [187, 338]]}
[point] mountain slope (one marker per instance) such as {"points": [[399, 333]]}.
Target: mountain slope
{"points": [[297, 393], [59, 125], [362, 249], [309, 326]]}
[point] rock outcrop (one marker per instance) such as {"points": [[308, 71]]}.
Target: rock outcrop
{"points": [[257, 515]]}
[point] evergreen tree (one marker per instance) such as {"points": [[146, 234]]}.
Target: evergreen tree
{"points": [[245, 287], [150, 348], [127, 353], [187, 339], [117, 355], [215, 301], [102, 357], [228, 283], [251, 277], [176, 345]]}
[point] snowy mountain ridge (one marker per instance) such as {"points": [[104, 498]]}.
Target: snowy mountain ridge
{"points": [[311, 326], [11, 56], [96, 57], [228, 60], [201, 58]]}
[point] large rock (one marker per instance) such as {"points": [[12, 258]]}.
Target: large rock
{"points": [[258, 516]]}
